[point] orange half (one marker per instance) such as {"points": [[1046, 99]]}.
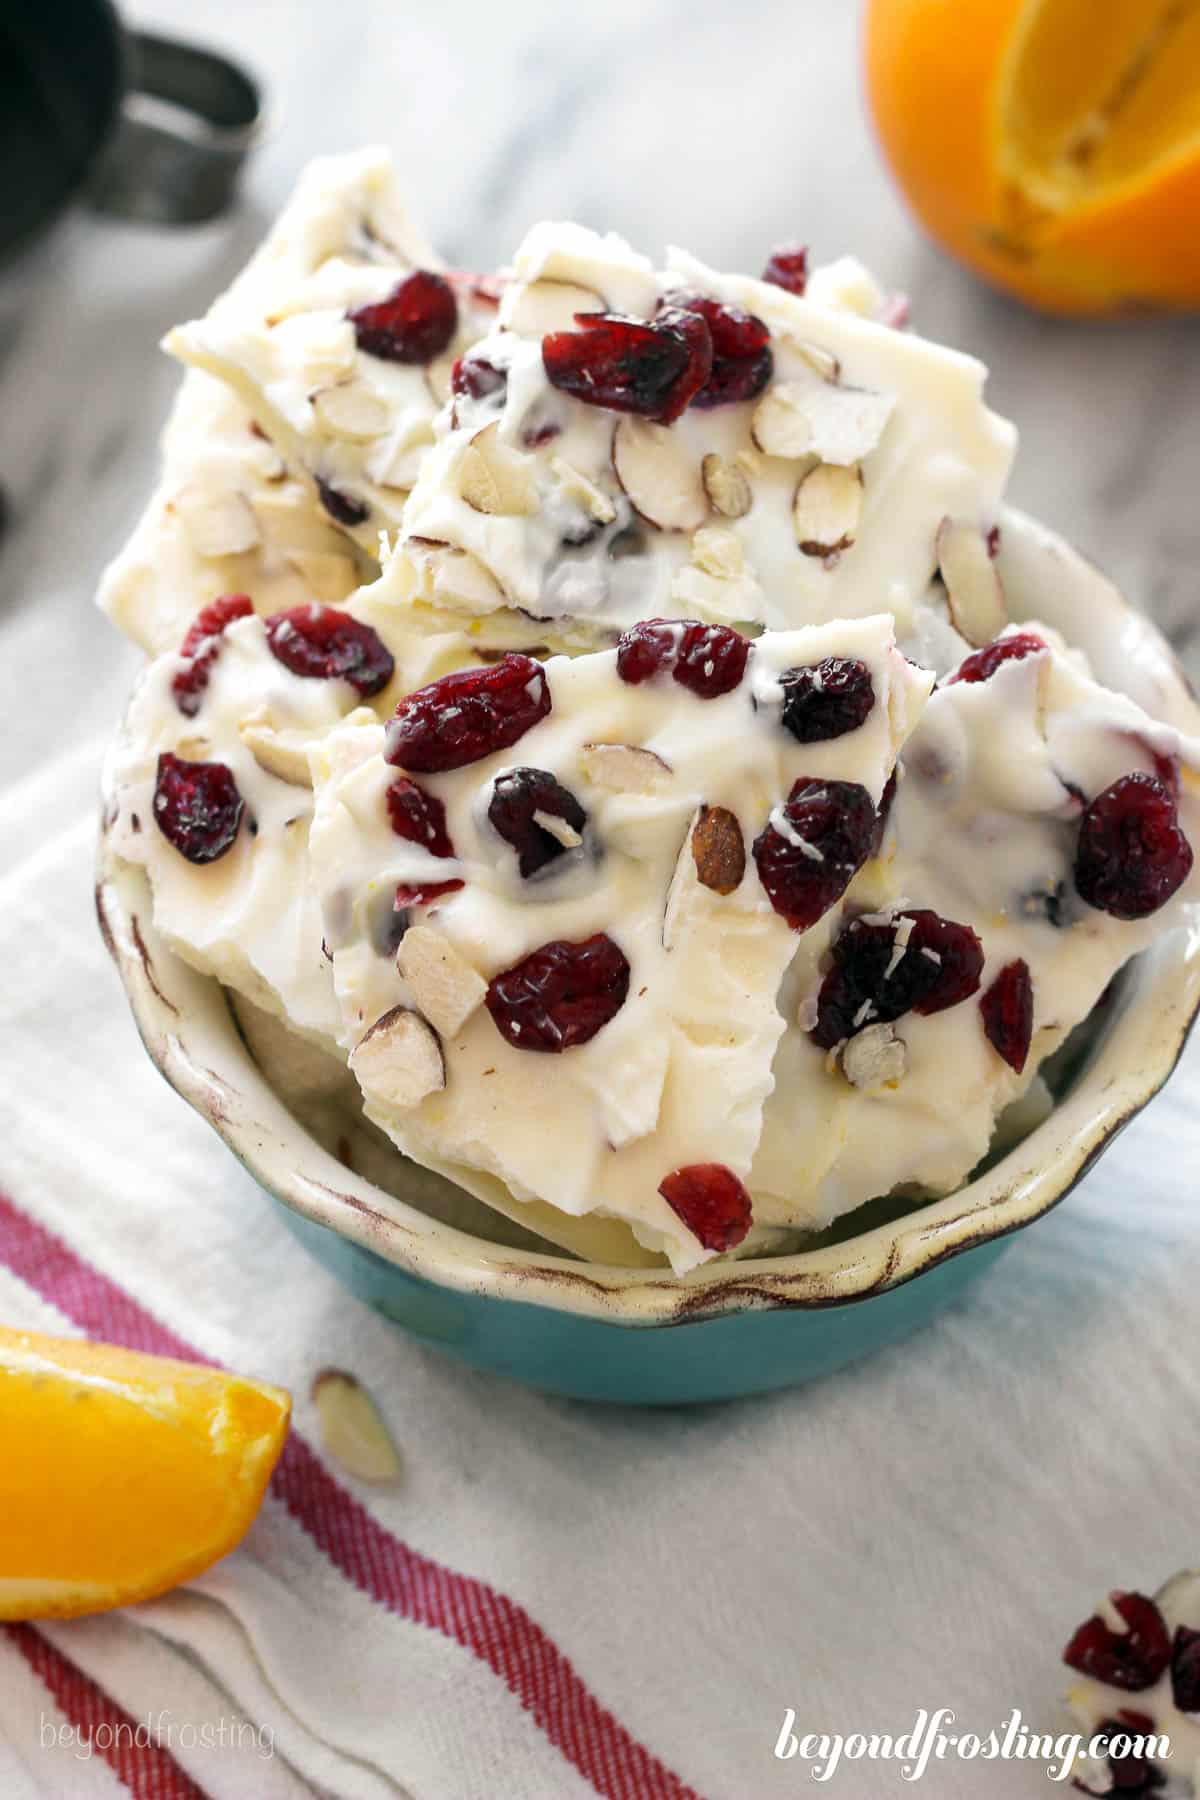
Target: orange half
{"points": [[1053, 145], [122, 1475]]}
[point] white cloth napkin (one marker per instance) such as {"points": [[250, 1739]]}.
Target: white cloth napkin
{"points": [[557, 1599]]}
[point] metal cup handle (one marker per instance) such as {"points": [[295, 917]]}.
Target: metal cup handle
{"points": [[187, 121]]}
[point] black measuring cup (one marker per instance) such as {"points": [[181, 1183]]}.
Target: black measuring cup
{"points": [[144, 126]]}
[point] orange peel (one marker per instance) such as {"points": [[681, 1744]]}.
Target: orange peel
{"points": [[1051, 145]]}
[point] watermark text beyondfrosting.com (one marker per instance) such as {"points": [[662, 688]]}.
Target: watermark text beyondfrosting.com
{"points": [[929, 1739], [156, 1731]]}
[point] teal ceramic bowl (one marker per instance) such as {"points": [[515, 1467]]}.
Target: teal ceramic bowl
{"points": [[646, 1336]]}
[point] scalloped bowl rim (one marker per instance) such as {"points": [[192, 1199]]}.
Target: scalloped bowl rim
{"points": [[190, 1034]]}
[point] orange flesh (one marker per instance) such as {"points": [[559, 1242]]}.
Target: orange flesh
{"points": [[121, 1474], [1093, 99]]}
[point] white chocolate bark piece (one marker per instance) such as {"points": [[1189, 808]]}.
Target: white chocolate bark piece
{"points": [[226, 517], [983, 832], [598, 518], [1094, 1703], [679, 1076], [251, 918], [356, 423]]}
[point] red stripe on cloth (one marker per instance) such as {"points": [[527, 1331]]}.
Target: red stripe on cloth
{"points": [[475, 1615], [147, 1770]]}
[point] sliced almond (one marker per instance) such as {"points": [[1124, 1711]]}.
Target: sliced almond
{"points": [[444, 985], [823, 362], [624, 768], [220, 524], [395, 461], [827, 509], [454, 578], [660, 476], [874, 1057], [780, 425], [808, 415], [544, 306], [845, 283], [283, 754], [847, 422], [718, 849], [560, 830], [399, 1060], [1179, 1599], [328, 346], [268, 463], [494, 479], [585, 494], [719, 552], [727, 487], [973, 588], [352, 1430], [351, 410]]}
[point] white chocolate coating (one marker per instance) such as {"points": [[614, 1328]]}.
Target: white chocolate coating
{"points": [[901, 418], [251, 918], [680, 1075], [983, 832], [282, 341], [226, 518]]}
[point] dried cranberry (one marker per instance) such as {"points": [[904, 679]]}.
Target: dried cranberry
{"points": [[560, 995], [1185, 1669], [197, 807], [896, 312], [711, 661], [952, 950], [1132, 1659], [1007, 1010], [630, 366], [420, 893], [468, 715], [344, 509], [712, 1203], [787, 267], [1129, 1774], [742, 361], [518, 797], [708, 660], [419, 817], [475, 377], [830, 826], [939, 967], [827, 699], [413, 325], [324, 643], [984, 663], [201, 647], [1131, 856]]}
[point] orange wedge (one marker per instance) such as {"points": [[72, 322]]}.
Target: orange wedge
{"points": [[1052, 145], [122, 1475]]}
